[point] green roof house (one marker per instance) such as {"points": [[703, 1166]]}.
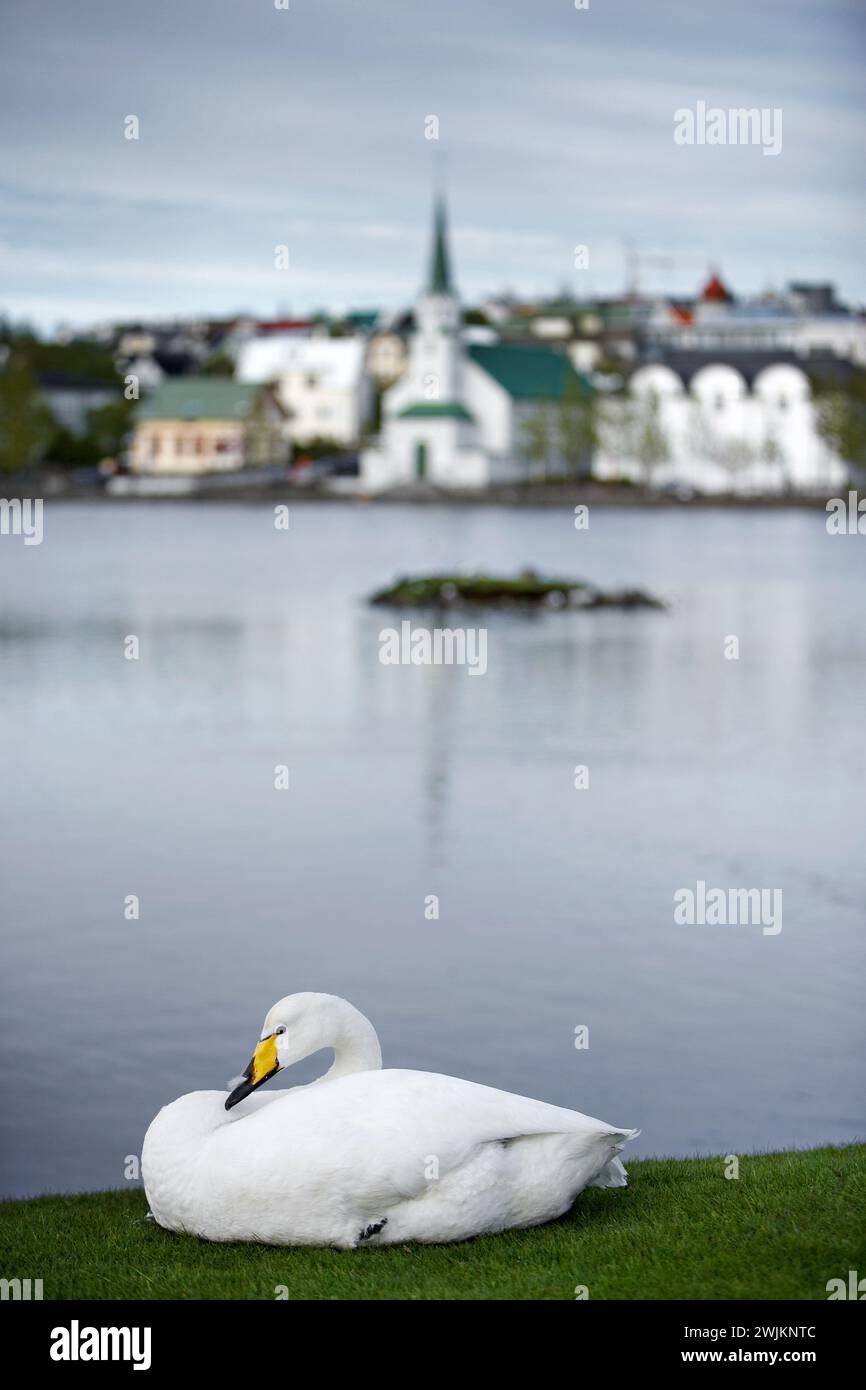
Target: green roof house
{"points": [[194, 425], [468, 413]]}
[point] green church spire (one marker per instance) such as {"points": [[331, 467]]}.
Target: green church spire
{"points": [[440, 273]]}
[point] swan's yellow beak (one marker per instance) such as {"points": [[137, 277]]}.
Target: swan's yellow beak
{"points": [[263, 1066]]}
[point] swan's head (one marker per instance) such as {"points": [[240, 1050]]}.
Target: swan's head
{"points": [[296, 1027]]}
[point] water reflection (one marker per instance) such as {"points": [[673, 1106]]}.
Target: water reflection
{"points": [[155, 777]]}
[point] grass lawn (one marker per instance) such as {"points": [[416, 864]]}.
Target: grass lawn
{"points": [[790, 1222]]}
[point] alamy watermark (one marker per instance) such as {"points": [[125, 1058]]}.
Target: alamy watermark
{"points": [[20, 1290], [439, 646], [846, 517], [855, 1288], [713, 125], [729, 907], [22, 516], [77, 1343]]}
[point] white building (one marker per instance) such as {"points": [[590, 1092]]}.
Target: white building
{"points": [[745, 425], [806, 322], [457, 417], [321, 382]]}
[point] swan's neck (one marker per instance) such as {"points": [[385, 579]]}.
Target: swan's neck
{"points": [[356, 1046]]}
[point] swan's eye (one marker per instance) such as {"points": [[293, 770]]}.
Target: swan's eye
{"points": [[281, 1029]]}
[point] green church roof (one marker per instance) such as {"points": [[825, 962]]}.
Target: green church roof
{"points": [[435, 410], [199, 398], [440, 272], [528, 372]]}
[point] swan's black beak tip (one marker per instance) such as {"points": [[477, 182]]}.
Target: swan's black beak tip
{"points": [[263, 1066], [239, 1093]]}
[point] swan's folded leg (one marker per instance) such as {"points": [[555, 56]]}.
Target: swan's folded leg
{"points": [[373, 1229]]}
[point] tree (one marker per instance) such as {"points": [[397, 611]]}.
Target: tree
{"points": [[318, 447], [373, 423], [577, 430], [537, 435], [631, 431], [219, 365], [840, 418], [651, 443], [708, 445], [72, 450], [79, 357], [736, 455], [26, 423], [108, 425], [702, 439], [772, 453], [615, 418]]}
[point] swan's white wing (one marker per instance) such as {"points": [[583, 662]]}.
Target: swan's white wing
{"points": [[385, 1133]]}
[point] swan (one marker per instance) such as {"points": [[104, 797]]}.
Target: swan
{"points": [[364, 1156]]}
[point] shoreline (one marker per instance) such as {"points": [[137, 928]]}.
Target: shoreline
{"points": [[54, 487]]}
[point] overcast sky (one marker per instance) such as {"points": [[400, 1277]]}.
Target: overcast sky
{"points": [[306, 127]]}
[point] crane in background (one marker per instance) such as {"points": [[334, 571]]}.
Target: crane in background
{"points": [[636, 259]]}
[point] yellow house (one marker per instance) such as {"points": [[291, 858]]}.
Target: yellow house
{"points": [[207, 425]]}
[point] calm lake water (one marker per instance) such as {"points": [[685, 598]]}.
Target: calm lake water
{"points": [[156, 778]]}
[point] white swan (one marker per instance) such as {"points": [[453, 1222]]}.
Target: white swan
{"points": [[365, 1156]]}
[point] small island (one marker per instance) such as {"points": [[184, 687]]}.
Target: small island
{"points": [[527, 590]]}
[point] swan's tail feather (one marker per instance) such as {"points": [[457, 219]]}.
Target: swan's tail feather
{"points": [[613, 1173]]}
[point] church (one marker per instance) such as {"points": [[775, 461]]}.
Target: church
{"points": [[460, 416]]}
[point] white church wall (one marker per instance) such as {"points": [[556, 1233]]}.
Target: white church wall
{"points": [[379, 471], [451, 458], [656, 379], [491, 407], [721, 436]]}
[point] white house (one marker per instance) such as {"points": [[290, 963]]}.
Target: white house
{"points": [[321, 382], [457, 417], [744, 425]]}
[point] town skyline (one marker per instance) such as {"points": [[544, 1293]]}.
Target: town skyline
{"points": [[316, 129]]}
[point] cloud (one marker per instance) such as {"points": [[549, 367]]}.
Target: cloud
{"points": [[307, 126]]}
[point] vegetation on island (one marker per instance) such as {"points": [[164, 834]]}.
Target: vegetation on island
{"points": [[527, 590], [782, 1227]]}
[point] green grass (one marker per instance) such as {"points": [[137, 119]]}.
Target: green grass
{"points": [[790, 1222]]}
